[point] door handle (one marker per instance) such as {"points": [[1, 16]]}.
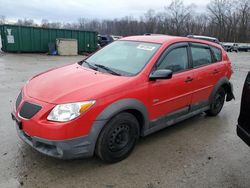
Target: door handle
{"points": [[216, 71], [189, 79]]}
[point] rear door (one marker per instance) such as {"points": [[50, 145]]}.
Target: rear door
{"points": [[207, 72], [173, 94]]}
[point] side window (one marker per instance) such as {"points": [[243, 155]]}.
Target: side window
{"points": [[176, 60], [217, 54], [201, 55]]}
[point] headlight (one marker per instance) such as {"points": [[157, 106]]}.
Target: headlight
{"points": [[67, 112]]}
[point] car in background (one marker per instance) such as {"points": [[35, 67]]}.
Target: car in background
{"points": [[131, 88], [231, 47], [104, 40], [244, 48], [243, 127]]}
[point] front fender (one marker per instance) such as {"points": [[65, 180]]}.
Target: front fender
{"points": [[123, 105]]}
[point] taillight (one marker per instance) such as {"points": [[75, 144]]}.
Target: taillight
{"points": [[229, 63]]}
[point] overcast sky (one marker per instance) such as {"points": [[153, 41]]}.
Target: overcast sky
{"points": [[71, 10]]}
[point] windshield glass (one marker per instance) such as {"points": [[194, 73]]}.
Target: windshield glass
{"points": [[124, 57]]}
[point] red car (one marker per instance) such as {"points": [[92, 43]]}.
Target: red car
{"points": [[131, 88]]}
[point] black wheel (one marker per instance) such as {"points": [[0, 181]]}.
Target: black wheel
{"points": [[217, 103], [118, 138]]}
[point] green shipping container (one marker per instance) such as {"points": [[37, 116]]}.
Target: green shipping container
{"points": [[36, 39]]}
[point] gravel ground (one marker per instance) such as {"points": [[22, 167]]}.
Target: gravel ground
{"points": [[199, 152]]}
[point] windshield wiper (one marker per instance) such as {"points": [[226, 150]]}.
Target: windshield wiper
{"points": [[89, 65], [108, 69]]}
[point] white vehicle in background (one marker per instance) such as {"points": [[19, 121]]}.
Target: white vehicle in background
{"points": [[116, 37], [231, 47]]}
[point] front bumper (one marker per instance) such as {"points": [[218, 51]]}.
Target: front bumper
{"points": [[81, 147], [243, 134]]}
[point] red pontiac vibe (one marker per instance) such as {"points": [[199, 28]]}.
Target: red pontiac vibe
{"points": [[130, 88]]}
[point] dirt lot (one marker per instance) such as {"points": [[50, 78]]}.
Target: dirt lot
{"points": [[200, 152]]}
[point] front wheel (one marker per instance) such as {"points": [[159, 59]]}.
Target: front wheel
{"points": [[118, 138], [217, 103]]}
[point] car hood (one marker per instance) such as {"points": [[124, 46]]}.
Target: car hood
{"points": [[74, 83]]}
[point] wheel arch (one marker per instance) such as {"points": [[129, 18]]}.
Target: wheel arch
{"points": [[226, 85], [133, 106]]}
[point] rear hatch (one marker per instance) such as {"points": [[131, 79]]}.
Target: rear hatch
{"points": [[243, 129]]}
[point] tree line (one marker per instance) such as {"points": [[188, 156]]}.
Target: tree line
{"points": [[227, 20]]}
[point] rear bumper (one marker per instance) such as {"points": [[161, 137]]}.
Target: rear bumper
{"points": [[81, 147], [243, 134]]}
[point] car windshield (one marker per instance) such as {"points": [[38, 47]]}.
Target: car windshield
{"points": [[123, 57]]}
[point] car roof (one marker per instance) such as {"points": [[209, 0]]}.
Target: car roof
{"points": [[160, 39], [151, 38]]}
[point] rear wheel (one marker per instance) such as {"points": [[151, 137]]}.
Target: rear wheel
{"points": [[118, 138], [217, 103]]}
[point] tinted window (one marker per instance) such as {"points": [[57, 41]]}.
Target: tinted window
{"points": [[201, 55], [217, 53], [176, 60]]}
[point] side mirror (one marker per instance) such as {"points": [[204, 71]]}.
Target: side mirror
{"points": [[161, 74]]}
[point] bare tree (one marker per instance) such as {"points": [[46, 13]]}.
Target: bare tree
{"points": [[178, 14], [220, 13], [244, 20], [45, 23], [150, 21], [26, 22], [228, 20], [2, 19]]}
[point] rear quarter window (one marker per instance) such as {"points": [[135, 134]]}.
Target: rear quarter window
{"points": [[217, 54]]}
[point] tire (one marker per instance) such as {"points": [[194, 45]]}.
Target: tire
{"points": [[118, 138], [217, 103]]}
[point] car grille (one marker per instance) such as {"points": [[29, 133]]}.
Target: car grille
{"points": [[28, 110], [19, 99]]}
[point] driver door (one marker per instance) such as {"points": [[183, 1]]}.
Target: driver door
{"points": [[172, 95]]}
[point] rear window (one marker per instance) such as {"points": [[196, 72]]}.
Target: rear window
{"points": [[201, 55], [217, 54]]}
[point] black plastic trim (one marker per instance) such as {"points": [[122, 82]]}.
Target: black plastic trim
{"points": [[174, 118], [19, 99], [177, 116], [229, 89], [28, 110], [123, 105]]}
